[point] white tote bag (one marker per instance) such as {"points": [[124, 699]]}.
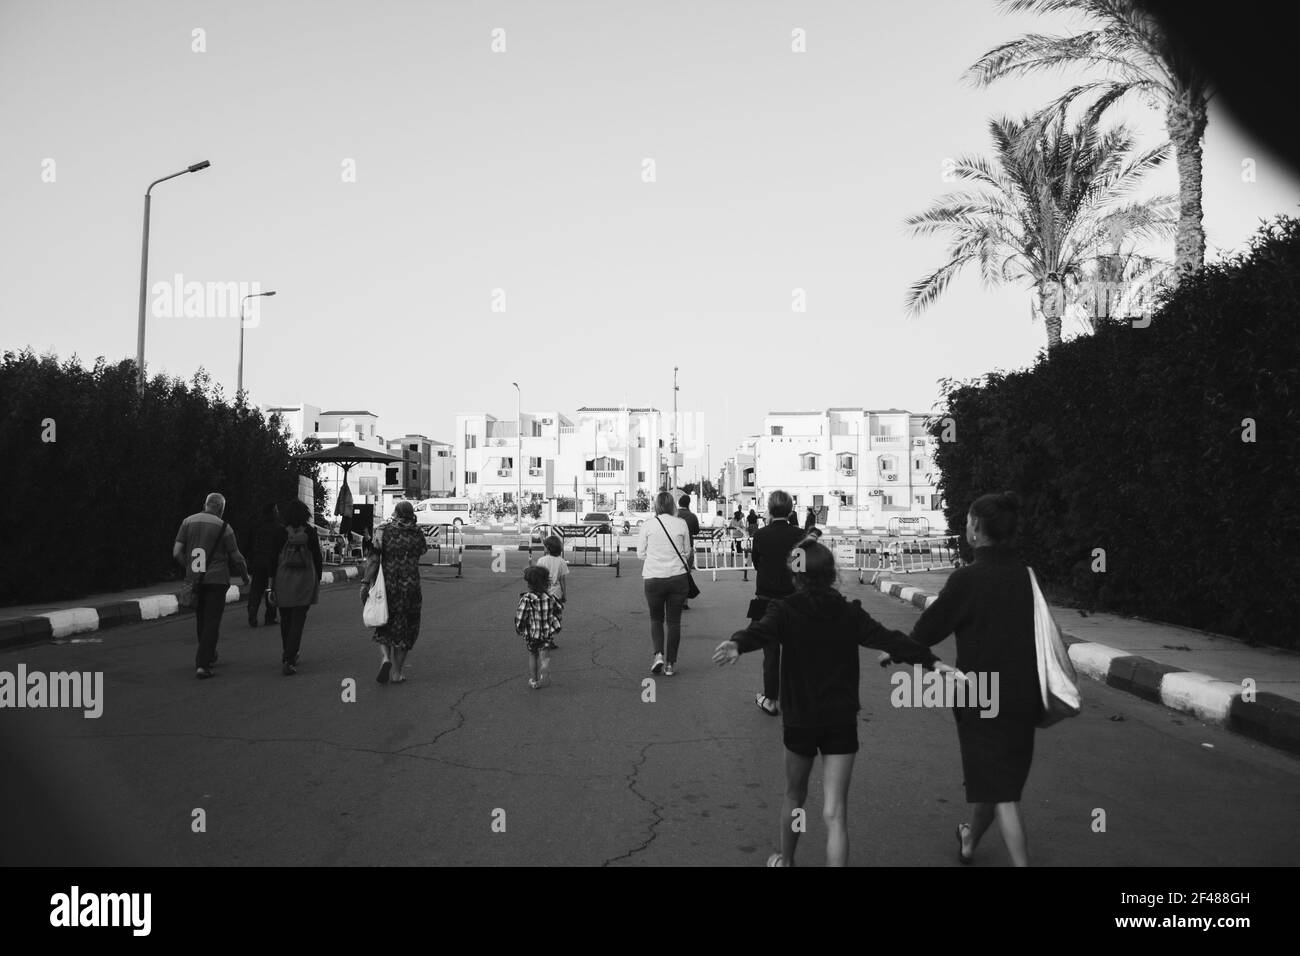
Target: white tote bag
{"points": [[375, 611], [1056, 678]]}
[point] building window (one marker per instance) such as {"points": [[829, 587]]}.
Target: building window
{"points": [[640, 476], [471, 477], [920, 499], [778, 429], [537, 429], [316, 427], [507, 463], [535, 462], [413, 447], [415, 473], [847, 462], [886, 499], [808, 462], [471, 441], [443, 453], [919, 463], [390, 476]]}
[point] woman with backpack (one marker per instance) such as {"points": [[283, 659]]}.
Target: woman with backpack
{"points": [[295, 573]]}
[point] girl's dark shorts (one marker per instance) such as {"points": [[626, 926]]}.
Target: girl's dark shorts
{"points": [[809, 741]]}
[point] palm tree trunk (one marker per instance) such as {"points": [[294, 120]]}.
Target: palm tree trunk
{"points": [[1053, 331], [1185, 119]]}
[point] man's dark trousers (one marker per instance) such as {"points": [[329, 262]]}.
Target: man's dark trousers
{"points": [[209, 607], [261, 574]]}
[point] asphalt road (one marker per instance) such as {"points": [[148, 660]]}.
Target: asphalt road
{"points": [[583, 772]]}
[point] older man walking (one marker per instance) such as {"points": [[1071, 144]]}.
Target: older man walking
{"points": [[206, 548]]}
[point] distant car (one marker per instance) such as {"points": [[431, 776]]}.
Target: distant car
{"points": [[599, 520], [452, 511]]}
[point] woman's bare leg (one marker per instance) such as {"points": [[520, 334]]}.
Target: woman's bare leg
{"points": [[1013, 833], [399, 662], [837, 770], [793, 820], [980, 821]]}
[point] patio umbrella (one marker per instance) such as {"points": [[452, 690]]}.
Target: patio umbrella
{"points": [[346, 454]]}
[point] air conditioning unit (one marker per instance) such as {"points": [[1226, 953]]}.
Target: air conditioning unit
{"points": [[891, 477], [850, 472], [535, 472], [547, 421], [876, 493], [918, 442], [503, 473]]}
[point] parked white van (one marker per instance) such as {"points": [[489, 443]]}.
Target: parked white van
{"points": [[452, 511]]}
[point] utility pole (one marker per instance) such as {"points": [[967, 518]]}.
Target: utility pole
{"points": [[519, 456], [675, 426]]}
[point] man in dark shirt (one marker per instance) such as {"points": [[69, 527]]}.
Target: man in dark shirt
{"points": [[771, 554], [261, 558], [693, 523], [206, 548]]}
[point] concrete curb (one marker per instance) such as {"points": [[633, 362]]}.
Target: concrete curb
{"points": [[1269, 718], [68, 622]]}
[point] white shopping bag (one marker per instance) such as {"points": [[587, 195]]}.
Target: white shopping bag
{"points": [[375, 611], [1056, 678]]}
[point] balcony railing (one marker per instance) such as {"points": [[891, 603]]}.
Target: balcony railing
{"points": [[568, 430], [888, 440]]}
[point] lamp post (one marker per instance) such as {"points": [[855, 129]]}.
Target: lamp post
{"points": [[675, 426], [519, 456], [239, 381], [857, 480], [144, 268]]}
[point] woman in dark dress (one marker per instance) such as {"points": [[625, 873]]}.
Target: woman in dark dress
{"points": [[989, 605], [397, 547]]}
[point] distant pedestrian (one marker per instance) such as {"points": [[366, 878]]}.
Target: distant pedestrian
{"points": [[810, 520], [558, 569], [819, 632], [989, 605], [772, 581], [537, 619], [752, 522], [662, 545], [397, 548], [296, 573], [693, 526], [206, 548], [262, 552], [736, 528]]}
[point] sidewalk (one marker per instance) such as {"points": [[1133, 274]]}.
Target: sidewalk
{"points": [[22, 625], [1194, 672]]}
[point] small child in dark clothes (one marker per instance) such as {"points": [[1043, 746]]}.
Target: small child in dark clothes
{"points": [[536, 619], [819, 632]]}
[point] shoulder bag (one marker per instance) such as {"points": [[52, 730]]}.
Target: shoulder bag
{"points": [[692, 589], [1057, 681]]}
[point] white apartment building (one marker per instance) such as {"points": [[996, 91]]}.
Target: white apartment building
{"points": [[737, 483], [864, 466], [610, 451]]}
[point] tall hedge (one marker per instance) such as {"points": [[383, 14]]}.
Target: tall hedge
{"points": [[1127, 447], [97, 507]]}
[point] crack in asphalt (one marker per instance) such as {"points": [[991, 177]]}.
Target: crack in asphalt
{"points": [[655, 809], [460, 715]]}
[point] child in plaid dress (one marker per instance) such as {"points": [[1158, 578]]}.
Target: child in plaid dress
{"points": [[536, 619]]}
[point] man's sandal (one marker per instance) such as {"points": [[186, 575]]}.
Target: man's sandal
{"points": [[776, 859]]}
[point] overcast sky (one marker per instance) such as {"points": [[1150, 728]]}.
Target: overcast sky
{"points": [[523, 171]]}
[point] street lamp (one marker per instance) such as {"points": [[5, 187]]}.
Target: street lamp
{"points": [[519, 456], [144, 267], [239, 382]]}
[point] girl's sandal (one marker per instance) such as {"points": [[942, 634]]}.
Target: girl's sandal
{"points": [[962, 828], [776, 859]]}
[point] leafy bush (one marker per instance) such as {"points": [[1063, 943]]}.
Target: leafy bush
{"points": [[1131, 441], [97, 508]]}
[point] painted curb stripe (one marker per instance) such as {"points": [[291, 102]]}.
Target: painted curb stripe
{"points": [[72, 620], [1199, 694], [1093, 660]]}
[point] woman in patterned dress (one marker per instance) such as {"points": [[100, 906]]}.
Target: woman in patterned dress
{"points": [[397, 547]]}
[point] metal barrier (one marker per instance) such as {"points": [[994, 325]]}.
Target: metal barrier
{"points": [[716, 550], [446, 545], [598, 549], [910, 526], [923, 554]]}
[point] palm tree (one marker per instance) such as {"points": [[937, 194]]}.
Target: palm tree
{"points": [[1042, 210], [1142, 60]]}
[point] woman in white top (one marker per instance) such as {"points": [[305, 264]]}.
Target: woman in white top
{"points": [[661, 546]]}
